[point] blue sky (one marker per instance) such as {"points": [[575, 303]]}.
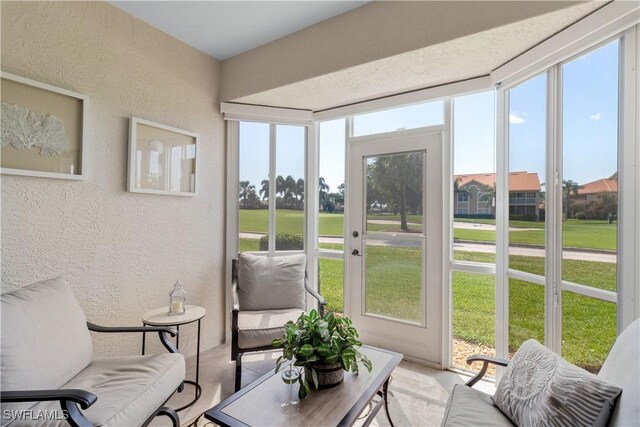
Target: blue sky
{"points": [[590, 110]]}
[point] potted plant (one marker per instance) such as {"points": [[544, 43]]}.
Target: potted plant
{"points": [[325, 346]]}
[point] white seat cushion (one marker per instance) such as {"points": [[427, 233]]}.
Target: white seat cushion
{"points": [[259, 328], [129, 388], [472, 408]]}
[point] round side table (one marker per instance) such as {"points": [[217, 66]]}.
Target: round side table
{"points": [[160, 317]]}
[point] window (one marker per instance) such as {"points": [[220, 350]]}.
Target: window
{"points": [[474, 177], [331, 215], [290, 187], [589, 202], [408, 117], [253, 188], [263, 199]]}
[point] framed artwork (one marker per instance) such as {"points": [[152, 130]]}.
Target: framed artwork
{"points": [[44, 129], [162, 159]]}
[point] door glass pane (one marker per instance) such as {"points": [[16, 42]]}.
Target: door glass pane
{"points": [[253, 188], [290, 187], [409, 117], [588, 330], [393, 279], [331, 283], [331, 185], [394, 193], [474, 318], [526, 313], [527, 142], [474, 180], [590, 167]]}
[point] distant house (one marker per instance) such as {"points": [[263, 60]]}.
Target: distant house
{"points": [[592, 190], [475, 193]]}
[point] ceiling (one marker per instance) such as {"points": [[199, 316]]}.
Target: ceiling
{"points": [[450, 61], [223, 29]]}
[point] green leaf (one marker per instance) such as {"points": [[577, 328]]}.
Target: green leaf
{"points": [[278, 363], [314, 376], [305, 351]]}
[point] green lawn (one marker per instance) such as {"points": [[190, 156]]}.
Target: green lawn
{"points": [[576, 233], [588, 324]]}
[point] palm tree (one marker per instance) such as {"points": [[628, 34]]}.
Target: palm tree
{"points": [[280, 185], [264, 189], [244, 191], [324, 191], [569, 188], [300, 190], [289, 190]]}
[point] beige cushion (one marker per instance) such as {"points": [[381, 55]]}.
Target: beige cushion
{"points": [[539, 387], [622, 368], [469, 407], [45, 340], [129, 388], [259, 328], [271, 283]]}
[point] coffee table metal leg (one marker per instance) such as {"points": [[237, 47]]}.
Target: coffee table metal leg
{"points": [[385, 393]]}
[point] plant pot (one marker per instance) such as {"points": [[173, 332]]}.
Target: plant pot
{"points": [[328, 375]]}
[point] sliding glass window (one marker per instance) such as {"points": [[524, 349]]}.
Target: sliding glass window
{"points": [[271, 187], [589, 204]]}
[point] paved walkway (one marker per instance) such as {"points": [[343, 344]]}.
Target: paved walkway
{"points": [[476, 247]]}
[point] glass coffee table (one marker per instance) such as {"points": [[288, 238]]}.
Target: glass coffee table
{"points": [[258, 404]]}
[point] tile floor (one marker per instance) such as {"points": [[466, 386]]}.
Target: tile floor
{"points": [[418, 394]]}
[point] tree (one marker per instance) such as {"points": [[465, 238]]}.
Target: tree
{"points": [[248, 197], [289, 190], [569, 189], [264, 189], [300, 192], [323, 191], [395, 180], [244, 191]]}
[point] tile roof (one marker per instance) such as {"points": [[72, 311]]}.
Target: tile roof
{"points": [[604, 185], [518, 181]]}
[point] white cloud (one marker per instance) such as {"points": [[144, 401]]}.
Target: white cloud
{"points": [[596, 116], [517, 119]]}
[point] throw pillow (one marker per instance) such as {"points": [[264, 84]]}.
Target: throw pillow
{"points": [[271, 283], [541, 388]]}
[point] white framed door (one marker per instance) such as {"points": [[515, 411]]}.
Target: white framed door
{"points": [[395, 281]]}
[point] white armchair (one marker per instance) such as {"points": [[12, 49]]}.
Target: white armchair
{"points": [[49, 370]]}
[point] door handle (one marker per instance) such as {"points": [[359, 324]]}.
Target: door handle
{"points": [[355, 252]]}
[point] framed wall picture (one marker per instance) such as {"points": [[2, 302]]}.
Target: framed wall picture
{"points": [[44, 129], [162, 159]]}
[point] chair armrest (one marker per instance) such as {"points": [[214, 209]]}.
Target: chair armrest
{"points": [[234, 295], [486, 360], [234, 286], [321, 301], [163, 332], [81, 397]]}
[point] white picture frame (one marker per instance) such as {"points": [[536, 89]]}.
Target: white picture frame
{"points": [[41, 98], [162, 159]]}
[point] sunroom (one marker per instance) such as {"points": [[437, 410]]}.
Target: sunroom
{"points": [[455, 179]]}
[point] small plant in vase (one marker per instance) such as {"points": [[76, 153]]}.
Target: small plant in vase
{"points": [[325, 346]]}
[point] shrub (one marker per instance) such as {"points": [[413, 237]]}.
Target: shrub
{"points": [[284, 242], [580, 215]]}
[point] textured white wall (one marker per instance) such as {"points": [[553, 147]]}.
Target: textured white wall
{"points": [[120, 251]]}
